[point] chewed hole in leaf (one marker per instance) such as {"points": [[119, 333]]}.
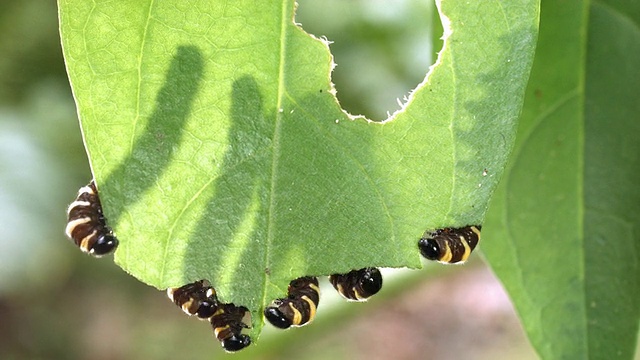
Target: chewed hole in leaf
{"points": [[366, 37]]}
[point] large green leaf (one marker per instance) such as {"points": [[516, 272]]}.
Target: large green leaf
{"points": [[569, 204], [221, 152]]}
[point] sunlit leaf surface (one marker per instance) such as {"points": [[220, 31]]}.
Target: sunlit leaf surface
{"points": [[221, 152]]}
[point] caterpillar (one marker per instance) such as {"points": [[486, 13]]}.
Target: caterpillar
{"points": [[197, 298], [227, 323], [86, 224], [357, 285], [227, 320], [299, 307], [450, 245]]}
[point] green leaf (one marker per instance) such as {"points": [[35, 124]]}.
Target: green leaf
{"points": [[562, 232], [221, 152]]}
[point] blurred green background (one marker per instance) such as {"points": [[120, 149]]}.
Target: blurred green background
{"points": [[56, 303]]}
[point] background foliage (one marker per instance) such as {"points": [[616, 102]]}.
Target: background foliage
{"points": [[568, 209]]}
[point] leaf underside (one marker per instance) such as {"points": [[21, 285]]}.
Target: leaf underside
{"points": [[221, 153]]}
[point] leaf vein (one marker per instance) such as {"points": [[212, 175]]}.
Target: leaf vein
{"points": [[139, 84]]}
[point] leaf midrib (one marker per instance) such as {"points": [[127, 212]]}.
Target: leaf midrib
{"points": [[276, 142]]}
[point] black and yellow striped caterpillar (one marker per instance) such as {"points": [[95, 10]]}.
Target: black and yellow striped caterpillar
{"points": [[227, 320], [227, 323], [357, 285], [303, 294], [86, 224], [299, 307], [450, 245], [197, 298]]}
